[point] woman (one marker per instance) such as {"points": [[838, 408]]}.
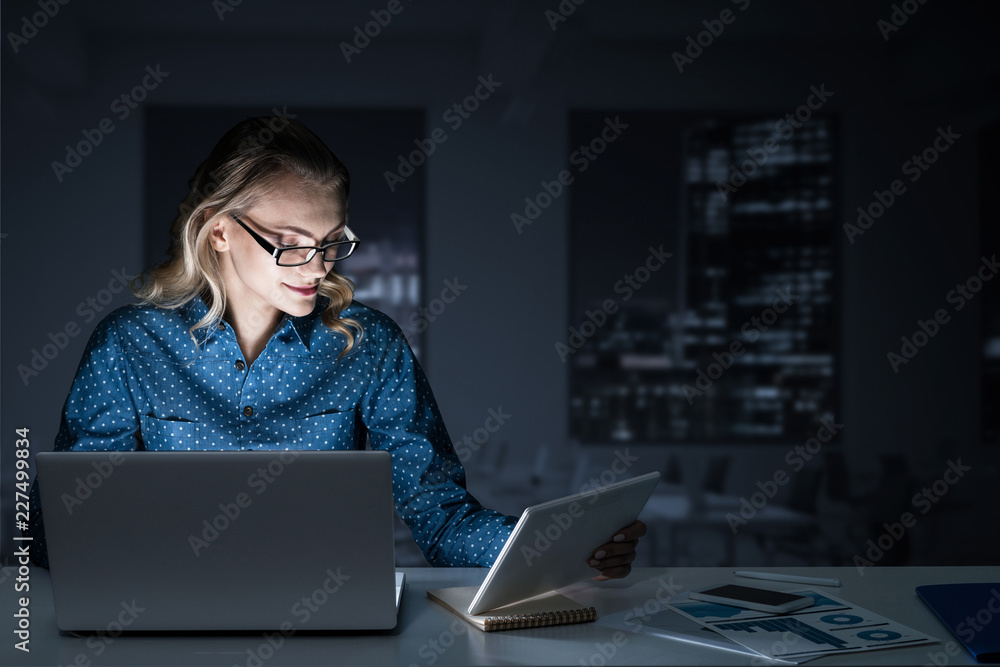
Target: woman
{"points": [[248, 339]]}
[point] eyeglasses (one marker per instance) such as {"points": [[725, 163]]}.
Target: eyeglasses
{"points": [[299, 255]]}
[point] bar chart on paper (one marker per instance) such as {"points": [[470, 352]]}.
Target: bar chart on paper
{"points": [[789, 625], [830, 625]]}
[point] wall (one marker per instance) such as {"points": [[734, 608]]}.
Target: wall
{"points": [[494, 346]]}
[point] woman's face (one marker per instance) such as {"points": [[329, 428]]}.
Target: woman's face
{"points": [[257, 289]]}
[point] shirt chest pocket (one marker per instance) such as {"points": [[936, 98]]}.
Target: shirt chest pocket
{"points": [[171, 434], [330, 430]]}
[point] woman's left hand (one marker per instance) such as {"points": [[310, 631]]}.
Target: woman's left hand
{"points": [[614, 559]]}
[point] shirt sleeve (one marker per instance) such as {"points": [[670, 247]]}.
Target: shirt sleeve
{"points": [[448, 523], [98, 415]]}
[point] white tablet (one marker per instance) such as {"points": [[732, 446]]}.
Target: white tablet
{"points": [[553, 541]]}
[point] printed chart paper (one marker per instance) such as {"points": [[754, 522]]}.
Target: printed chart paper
{"points": [[659, 620], [830, 626]]}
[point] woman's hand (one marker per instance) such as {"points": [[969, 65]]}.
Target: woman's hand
{"points": [[614, 559]]}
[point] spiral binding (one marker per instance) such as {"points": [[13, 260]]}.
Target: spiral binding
{"points": [[519, 621]]}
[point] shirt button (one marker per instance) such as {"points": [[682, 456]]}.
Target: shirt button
{"points": [[222, 327], [248, 411], [240, 365]]}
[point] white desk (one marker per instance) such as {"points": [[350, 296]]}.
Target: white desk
{"points": [[428, 634]]}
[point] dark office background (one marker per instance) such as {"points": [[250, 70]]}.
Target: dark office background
{"points": [[893, 90]]}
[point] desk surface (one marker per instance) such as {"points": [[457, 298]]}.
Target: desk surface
{"points": [[428, 634]]}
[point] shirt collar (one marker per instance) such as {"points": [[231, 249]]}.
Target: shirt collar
{"points": [[304, 325], [195, 309]]}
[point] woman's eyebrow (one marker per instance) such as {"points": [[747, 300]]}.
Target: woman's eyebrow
{"points": [[298, 230]]}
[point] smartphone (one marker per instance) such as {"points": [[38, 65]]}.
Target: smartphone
{"points": [[758, 599]]}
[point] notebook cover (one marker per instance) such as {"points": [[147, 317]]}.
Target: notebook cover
{"points": [[540, 611], [971, 612]]}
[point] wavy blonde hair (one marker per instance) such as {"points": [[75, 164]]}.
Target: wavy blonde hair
{"points": [[244, 168]]}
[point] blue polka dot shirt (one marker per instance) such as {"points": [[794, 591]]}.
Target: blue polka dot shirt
{"points": [[144, 384]]}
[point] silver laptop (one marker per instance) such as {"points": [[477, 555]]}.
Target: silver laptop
{"points": [[220, 541]]}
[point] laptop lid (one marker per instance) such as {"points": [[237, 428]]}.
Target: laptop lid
{"points": [[250, 540]]}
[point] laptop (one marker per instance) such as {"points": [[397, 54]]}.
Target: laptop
{"points": [[220, 541]]}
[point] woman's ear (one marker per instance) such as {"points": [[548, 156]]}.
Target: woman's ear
{"points": [[218, 231]]}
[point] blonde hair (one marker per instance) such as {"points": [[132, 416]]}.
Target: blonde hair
{"points": [[244, 168]]}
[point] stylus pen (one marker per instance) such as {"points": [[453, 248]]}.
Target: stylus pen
{"points": [[790, 578]]}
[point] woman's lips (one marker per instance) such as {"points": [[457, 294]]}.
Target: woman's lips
{"points": [[304, 291]]}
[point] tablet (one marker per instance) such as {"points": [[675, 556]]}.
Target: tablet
{"points": [[553, 541]]}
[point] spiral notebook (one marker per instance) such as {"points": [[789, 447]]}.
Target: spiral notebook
{"points": [[537, 612]]}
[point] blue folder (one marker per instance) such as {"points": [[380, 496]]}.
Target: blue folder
{"points": [[971, 612]]}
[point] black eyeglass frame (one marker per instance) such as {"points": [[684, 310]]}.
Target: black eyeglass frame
{"points": [[276, 252]]}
